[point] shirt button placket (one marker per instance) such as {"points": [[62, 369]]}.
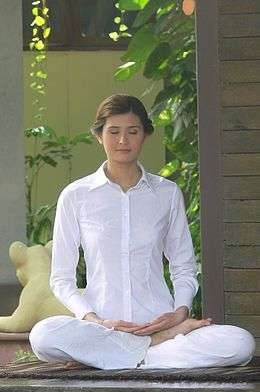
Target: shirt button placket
{"points": [[125, 258]]}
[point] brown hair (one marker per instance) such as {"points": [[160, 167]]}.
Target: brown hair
{"points": [[120, 104]]}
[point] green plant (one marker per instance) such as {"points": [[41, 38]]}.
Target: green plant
{"points": [[48, 146], [38, 45], [162, 47], [52, 149], [24, 356]]}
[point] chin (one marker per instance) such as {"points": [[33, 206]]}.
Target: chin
{"points": [[124, 159]]}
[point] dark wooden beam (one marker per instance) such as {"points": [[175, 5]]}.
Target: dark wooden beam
{"points": [[210, 160]]}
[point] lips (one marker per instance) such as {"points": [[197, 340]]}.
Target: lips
{"points": [[124, 150]]}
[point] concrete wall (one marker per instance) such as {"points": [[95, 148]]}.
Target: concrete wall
{"points": [[12, 199]]}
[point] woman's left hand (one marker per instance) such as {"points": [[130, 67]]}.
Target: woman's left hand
{"points": [[165, 321]]}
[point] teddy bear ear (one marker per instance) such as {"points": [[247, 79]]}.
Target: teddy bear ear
{"points": [[17, 252], [48, 247]]}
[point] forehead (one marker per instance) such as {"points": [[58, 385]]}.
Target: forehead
{"points": [[123, 119]]}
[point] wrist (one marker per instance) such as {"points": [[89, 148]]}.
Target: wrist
{"points": [[92, 316], [183, 309]]}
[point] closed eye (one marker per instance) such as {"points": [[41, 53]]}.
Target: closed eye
{"points": [[131, 133]]}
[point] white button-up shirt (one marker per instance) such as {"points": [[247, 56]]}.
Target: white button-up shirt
{"points": [[123, 236]]}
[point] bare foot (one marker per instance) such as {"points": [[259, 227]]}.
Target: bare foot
{"points": [[190, 324], [73, 364], [185, 327]]}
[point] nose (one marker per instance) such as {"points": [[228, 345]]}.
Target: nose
{"points": [[122, 138]]}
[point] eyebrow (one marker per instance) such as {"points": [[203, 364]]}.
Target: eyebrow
{"points": [[117, 126]]}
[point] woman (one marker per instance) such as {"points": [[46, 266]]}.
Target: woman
{"points": [[125, 219]]}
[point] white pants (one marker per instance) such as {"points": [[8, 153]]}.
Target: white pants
{"points": [[65, 338]]}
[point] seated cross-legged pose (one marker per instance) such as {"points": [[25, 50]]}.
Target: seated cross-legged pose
{"points": [[125, 219]]}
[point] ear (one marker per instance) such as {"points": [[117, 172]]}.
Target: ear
{"points": [[17, 253], [99, 137]]}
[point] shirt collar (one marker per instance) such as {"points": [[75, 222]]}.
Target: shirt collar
{"points": [[99, 177]]}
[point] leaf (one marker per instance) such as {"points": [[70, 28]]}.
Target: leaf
{"points": [[40, 131], [164, 23], [166, 8], [165, 94], [164, 118], [127, 70], [125, 34], [39, 21], [117, 19], [62, 140], [43, 210], [114, 35], [39, 45], [47, 159], [46, 32], [41, 230], [177, 128], [132, 5], [156, 59], [123, 27], [81, 138], [141, 45], [151, 8], [171, 167], [35, 11], [45, 11], [40, 57], [49, 132], [48, 144], [42, 75]]}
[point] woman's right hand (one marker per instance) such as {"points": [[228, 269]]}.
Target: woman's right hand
{"points": [[117, 325]]}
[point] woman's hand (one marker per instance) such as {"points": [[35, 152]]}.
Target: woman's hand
{"points": [[117, 325], [165, 321], [121, 325]]}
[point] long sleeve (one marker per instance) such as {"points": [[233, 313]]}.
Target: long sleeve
{"points": [[178, 249], [65, 257]]}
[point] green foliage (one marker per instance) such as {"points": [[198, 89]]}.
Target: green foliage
{"points": [[53, 148], [162, 47], [81, 270], [38, 45], [22, 356]]}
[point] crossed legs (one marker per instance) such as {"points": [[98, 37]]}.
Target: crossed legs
{"points": [[67, 339]]}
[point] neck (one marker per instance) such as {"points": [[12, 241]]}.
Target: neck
{"points": [[125, 174]]}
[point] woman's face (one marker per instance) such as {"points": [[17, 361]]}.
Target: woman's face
{"points": [[122, 137]]}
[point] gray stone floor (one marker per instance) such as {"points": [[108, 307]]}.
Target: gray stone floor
{"points": [[57, 385]]}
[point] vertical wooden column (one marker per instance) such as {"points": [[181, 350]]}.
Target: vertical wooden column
{"points": [[210, 158], [239, 59], [12, 192]]}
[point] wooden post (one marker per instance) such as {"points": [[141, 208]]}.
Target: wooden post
{"points": [[210, 159]]}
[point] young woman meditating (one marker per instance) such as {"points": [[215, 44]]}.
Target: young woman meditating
{"points": [[125, 218]]}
